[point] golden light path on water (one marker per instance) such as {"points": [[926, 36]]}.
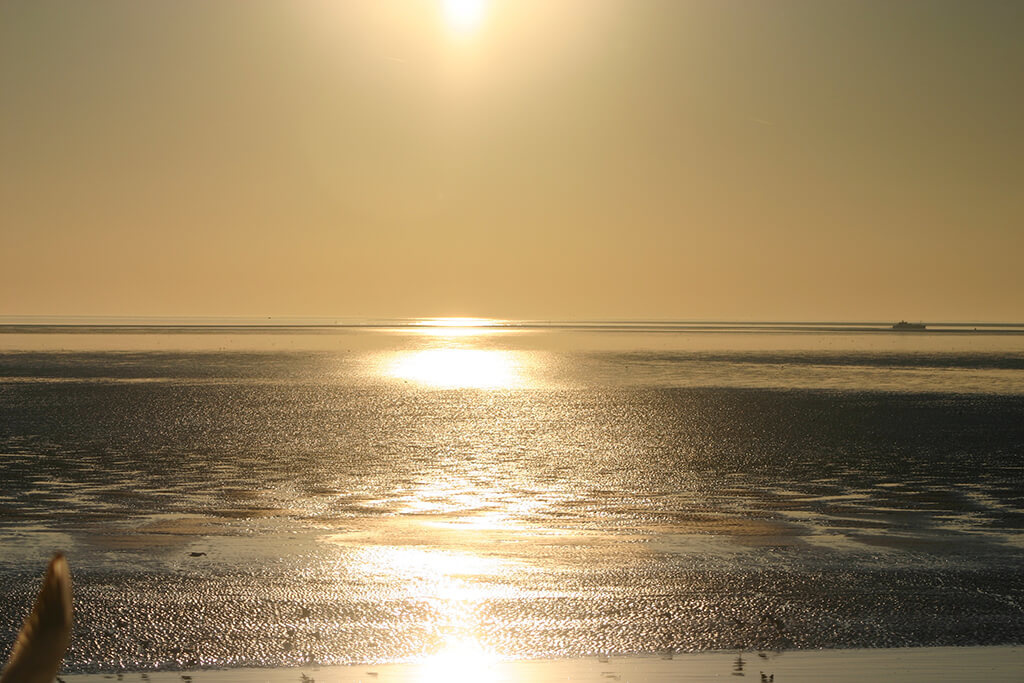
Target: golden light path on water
{"points": [[471, 325], [453, 362], [461, 661], [440, 548], [445, 579], [454, 368], [452, 573]]}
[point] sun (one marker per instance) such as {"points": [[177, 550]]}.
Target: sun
{"points": [[463, 16]]}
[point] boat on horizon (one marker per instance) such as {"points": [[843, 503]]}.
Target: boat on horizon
{"points": [[904, 326]]}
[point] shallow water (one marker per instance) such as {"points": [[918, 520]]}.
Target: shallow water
{"points": [[377, 495]]}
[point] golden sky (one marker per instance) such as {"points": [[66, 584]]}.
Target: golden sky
{"points": [[543, 159]]}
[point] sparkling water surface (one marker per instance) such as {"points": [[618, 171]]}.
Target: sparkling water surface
{"points": [[377, 495]]}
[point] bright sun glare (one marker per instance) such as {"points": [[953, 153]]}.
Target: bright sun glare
{"points": [[458, 322], [463, 16], [458, 368], [461, 661]]}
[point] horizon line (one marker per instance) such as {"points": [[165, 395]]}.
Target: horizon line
{"points": [[27, 322]]}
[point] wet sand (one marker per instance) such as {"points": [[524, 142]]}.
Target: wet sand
{"points": [[897, 665], [375, 502]]}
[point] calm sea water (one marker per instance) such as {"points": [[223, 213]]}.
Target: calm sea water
{"points": [[374, 495]]}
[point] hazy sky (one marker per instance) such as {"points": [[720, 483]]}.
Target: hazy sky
{"points": [[754, 159]]}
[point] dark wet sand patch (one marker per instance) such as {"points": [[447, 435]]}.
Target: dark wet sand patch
{"points": [[249, 512], [158, 533]]}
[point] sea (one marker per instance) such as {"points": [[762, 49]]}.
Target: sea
{"points": [[264, 494]]}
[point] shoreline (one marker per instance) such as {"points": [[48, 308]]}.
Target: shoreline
{"points": [[991, 663]]}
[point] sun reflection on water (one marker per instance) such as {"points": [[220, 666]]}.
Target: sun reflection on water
{"points": [[454, 583], [462, 659], [459, 322], [449, 328], [456, 368]]}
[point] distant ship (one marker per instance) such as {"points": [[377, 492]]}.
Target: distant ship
{"points": [[904, 326]]}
